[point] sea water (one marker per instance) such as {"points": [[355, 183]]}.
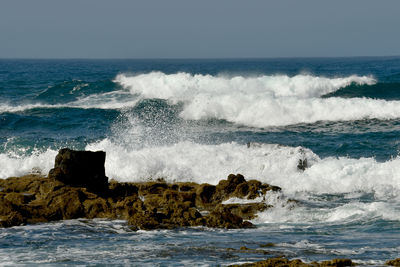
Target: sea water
{"points": [[200, 120]]}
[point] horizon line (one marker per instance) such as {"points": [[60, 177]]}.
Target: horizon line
{"points": [[193, 58]]}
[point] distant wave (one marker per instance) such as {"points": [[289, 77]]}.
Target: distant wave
{"points": [[255, 101], [110, 100], [184, 86], [387, 91], [260, 101]]}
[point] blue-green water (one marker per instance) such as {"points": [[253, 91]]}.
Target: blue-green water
{"points": [[200, 120]]}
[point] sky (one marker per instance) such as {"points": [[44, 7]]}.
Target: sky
{"points": [[198, 29]]}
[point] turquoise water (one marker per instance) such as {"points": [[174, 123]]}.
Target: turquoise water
{"points": [[200, 120]]}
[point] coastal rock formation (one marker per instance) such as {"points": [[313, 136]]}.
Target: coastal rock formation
{"points": [[146, 205], [81, 169], [78, 188]]}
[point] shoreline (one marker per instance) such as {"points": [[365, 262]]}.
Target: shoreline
{"points": [[78, 188], [24, 193]]}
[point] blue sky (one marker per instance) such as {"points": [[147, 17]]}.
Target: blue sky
{"points": [[198, 29]]}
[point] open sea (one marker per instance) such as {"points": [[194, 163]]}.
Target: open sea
{"points": [[200, 120]]}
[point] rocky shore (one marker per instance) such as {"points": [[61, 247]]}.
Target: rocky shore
{"points": [[78, 188]]}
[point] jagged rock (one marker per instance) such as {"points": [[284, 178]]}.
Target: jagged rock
{"points": [[81, 169], [204, 194], [145, 205], [121, 190], [222, 216], [226, 187]]}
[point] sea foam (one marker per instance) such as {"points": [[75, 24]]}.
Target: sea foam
{"points": [[260, 101], [348, 179], [269, 163], [15, 164], [255, 101], [202, 163]]}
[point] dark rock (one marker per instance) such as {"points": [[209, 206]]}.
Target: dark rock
{"points": [[247, 211], [337, 263], [153, 187], [66, 203], [187, 186], [267, 245], [81, 169], [121, 190], [241, 191], [302, 165], [282, 262], [146, 205], [395, 262], [205, 194], [226, 187], [222, 216]]}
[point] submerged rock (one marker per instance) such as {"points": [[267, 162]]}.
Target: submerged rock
{"points": [[395, 262], [282, 262]]}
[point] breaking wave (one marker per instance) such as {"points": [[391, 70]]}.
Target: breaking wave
{"points": [[260, 101], [201, 163]]}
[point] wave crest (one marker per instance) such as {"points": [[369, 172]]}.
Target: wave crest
{"points": [[260, 101]]}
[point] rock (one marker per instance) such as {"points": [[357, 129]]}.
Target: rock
{"points": [[81, 169], [267, 245], [66, 203], [121, 190], [395, 262], [247, 211], [205, 193], [153, 187], [282, 262], [337, 263], [222, 217], [97, 208], [145, 205], [302, 165], [11, 219], [225, 188]]}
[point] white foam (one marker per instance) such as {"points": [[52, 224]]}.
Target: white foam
{"points": [[110, 100], [269, 163], [256, 101], [17, 165], [260, 101], [355, 211], [236, 200], [347, 179], [200, 163], [183, 86]]}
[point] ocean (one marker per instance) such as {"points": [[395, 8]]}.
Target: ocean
{"points": [[200, 120]]}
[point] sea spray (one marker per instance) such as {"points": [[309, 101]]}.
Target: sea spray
{"points": [[260, 101], [199, 120]]}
